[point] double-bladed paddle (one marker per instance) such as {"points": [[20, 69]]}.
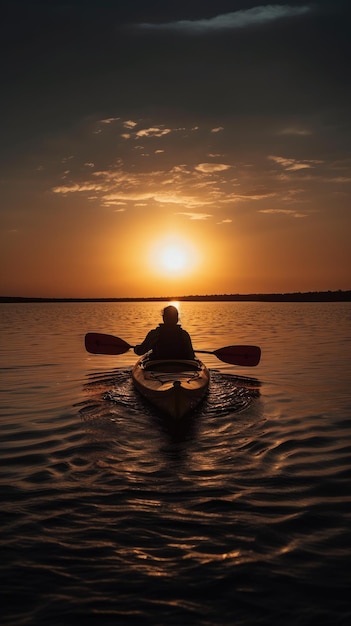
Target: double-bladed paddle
{"points": [[99, 343]]}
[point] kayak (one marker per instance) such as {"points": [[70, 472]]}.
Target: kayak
{"points": [[174, 387]]}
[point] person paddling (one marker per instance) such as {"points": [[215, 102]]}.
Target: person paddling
{"points": [[169, 340]]}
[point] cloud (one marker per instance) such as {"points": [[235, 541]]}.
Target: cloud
{"points": [[105, 122], [339, 179], [208, 168], [123, 197], [119, 197], [239, 197], [129, 124], [288, 212], [231, 21], [77, 188], [176, 199], [291, 130], [153, 132], [109, 120], [293, 164], [195, 216]]}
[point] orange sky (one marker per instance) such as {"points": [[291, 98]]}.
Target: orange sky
{"points": [[110, 195]]}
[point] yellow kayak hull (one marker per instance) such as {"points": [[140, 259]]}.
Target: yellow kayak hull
{"points": [[174, 387]]}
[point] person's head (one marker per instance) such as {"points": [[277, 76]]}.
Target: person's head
{"points": [[170, 314]]}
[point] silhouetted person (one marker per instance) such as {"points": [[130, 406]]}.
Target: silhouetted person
{"points": [[168, 340]]}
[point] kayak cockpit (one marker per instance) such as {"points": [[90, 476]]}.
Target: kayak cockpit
{"points": [[164, 365]]}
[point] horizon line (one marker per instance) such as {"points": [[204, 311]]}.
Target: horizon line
{"points": [[325, 295]]}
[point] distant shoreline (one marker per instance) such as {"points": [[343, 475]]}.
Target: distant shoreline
{"points": [[308, 296]]}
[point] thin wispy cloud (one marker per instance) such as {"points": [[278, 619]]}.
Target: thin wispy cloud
{"points": [[109, 120], [195, 216], [189, 201], [292, 130], [77, 188], [288, 212], [339, 179], [136, 198], [231, 21], [293, 164]]}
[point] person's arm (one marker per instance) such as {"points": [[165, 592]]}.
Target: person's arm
{"points": [[148, 343], [188, 345]]}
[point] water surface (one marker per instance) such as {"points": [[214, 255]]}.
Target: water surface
{"points": [[112, 516]]}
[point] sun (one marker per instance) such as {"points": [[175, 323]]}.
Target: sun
{"points": [[173, 259], [173, 256]]}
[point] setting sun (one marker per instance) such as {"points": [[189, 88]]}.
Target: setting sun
{"points": [[173, 256], [173, 259]]}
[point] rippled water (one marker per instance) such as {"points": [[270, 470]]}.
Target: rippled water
{"points": [[111, 515]]}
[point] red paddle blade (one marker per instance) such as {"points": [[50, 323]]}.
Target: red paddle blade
{"points": [[239, 355], [99, 343]]}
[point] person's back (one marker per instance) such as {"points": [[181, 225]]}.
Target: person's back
{"points": [[173, 343], [169, 340]]}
